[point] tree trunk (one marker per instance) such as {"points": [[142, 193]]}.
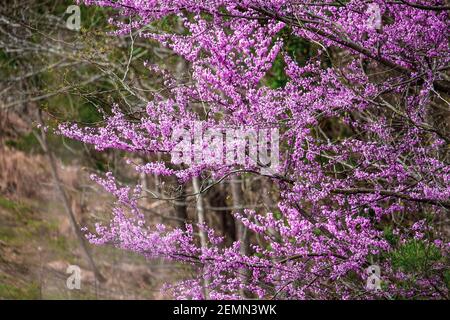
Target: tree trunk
{"points": [[241, 231], [181, 207], [201, 220], [65, 200]]}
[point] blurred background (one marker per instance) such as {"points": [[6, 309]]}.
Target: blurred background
{"points": [[51, 73]]}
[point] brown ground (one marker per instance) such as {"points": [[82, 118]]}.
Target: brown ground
{"points": [[37, 242]]}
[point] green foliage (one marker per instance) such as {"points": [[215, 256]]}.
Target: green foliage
{"points": [[20, 225], [167, 24], [317, 232], [389, 235], [29, 292], [88, 114], [26, 143], [60, 245], [297, 48], [277, 77], [7, 64], [7, 204], [447, 278], [277, 214], [7, 234], [415, 256], [14, 207]]}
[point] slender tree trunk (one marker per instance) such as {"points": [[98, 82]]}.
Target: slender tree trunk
{"points": [[201, 220], [180, 206], [65, 200], [242, 234], [222, 217], [181, 69]]}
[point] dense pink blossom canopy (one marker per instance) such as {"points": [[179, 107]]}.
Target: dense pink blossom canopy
{"points": [[380, 80]]}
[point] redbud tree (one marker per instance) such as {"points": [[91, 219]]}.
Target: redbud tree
{"points": [[374, 193]]}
